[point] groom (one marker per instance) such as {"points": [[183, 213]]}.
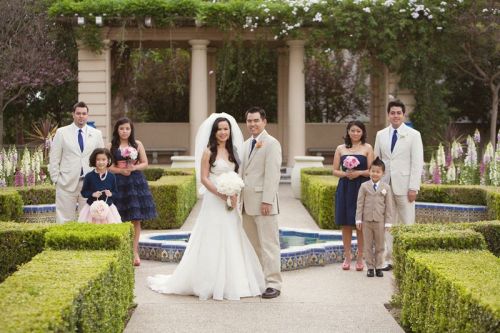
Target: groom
{"points": [[261, 174]]}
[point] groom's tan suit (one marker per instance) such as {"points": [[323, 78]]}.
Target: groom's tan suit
{"points": [[261, 173]]}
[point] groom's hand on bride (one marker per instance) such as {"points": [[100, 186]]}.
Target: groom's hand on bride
{"points": [[265, 208]]}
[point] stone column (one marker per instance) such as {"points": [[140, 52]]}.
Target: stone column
{"points": [[296, 102], [94, 86], [198, 93]]}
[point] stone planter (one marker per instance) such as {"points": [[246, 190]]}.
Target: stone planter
{"points": [[300, 163]]}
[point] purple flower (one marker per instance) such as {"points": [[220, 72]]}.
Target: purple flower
{"points": [[19, 179], [477, 136], [436, 176]]}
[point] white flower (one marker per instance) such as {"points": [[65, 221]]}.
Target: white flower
{"points": [[451, 173], [402, 10], [318, 17], [388, 3], [229, 183], [383, 191], [440, 156], [489, 153], [367, 10], [415, 15]]}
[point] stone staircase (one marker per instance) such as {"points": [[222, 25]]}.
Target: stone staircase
{"points": [[286, 175]]}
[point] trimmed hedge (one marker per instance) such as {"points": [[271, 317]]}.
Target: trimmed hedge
{"points": [[65, 291], [179, 172], [18, 244], [174, 197], [446, 299], [153, 174], [431, 240], [11, 205], [82, 282], [318, 195], [322, 178], [37, 195]]}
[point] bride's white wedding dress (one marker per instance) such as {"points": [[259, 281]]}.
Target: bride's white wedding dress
{"points": [[219, 261]]}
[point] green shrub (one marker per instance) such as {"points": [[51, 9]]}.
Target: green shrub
{"points": [[66, 291], [19, 242], [318, 196], [179, 172], [11, 205], [446, 299], [493, 203], [457, 194], [430, 240], [153, 174], [37, 195], [174, 197]]}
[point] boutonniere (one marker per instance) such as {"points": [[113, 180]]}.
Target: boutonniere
{"points": [[383, 191], [259, 144]]}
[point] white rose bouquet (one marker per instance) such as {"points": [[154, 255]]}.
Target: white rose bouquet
{"points": [[229, 183]]}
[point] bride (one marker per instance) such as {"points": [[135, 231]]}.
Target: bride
{"points": [[219, 261]]}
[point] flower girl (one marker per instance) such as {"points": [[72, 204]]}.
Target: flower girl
{"points": [[99, 186]]}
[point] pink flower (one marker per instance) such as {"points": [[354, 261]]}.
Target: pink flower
{"points": [[350, 162], [129, 153]]}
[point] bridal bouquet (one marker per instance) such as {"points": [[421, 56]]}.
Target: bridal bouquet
{"points": [[350, 162], [229, 183]]}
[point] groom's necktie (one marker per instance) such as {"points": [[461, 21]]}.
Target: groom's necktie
{"points": [[253, 146], [394, 139]]}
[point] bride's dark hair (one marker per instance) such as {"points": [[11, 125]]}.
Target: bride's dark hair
{"points": [[212, 143]]}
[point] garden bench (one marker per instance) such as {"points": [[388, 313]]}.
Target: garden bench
{"points": [[156, 152]]}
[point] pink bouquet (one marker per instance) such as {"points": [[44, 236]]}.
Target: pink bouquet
{"points": [[99, 209], [350, 162], [130, 153]]}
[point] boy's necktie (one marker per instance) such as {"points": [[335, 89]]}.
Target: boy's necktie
{"points": [[375, 187]]}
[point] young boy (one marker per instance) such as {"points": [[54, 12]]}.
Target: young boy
{"points": [[374, 211]]}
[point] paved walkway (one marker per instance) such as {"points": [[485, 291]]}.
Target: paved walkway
{"points": [[316, 299]]}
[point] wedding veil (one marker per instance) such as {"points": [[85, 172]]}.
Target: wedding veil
{"points": [[203, 135]]}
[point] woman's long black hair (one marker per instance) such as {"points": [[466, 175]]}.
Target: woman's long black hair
{"points": [[347, 138], [212, 144], [115, 141]]}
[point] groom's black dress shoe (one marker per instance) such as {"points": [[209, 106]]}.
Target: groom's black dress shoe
{"points": [[271, 293], [387, 268]]}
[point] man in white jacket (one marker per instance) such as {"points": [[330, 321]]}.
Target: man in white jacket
{"points": [[400, 148], [69, 161]]}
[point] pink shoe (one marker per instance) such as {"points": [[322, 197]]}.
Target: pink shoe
{"points": [[359, 266], [346, 265]]}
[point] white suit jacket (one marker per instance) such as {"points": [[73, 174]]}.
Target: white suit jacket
{"points": [[66, 159], [261, 172], [403, 167]]}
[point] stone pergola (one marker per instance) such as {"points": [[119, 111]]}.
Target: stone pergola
{"points": [[94, 84]]}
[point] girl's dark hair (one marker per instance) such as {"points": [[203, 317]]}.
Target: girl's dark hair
{"points": [[212, 144], [347, 138], [115, 141], [378, 162], [98, 151]]}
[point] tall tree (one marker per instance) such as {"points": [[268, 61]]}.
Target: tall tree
{"points": [[29, 57], [477, 36]]}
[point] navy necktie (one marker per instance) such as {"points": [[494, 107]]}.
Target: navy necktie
{"points": [[394, 139], [375, 187], [253, 146], [80, 139]]}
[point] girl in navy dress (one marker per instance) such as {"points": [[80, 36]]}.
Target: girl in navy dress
{"points": [[134, 200], [350, 180], [99, 185]]}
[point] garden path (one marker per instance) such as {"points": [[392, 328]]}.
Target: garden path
{"points": [[318, 299]]}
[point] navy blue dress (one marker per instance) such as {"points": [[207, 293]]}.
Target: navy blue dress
{"points": [[346, 196], [133, 200]]}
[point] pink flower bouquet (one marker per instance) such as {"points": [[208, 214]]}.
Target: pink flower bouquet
{"points": [[99, 209], [130, 153], [350, 162]]}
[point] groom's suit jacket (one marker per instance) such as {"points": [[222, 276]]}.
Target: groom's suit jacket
{"points": [[261, 172], [403, 167], [66, 159]]}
